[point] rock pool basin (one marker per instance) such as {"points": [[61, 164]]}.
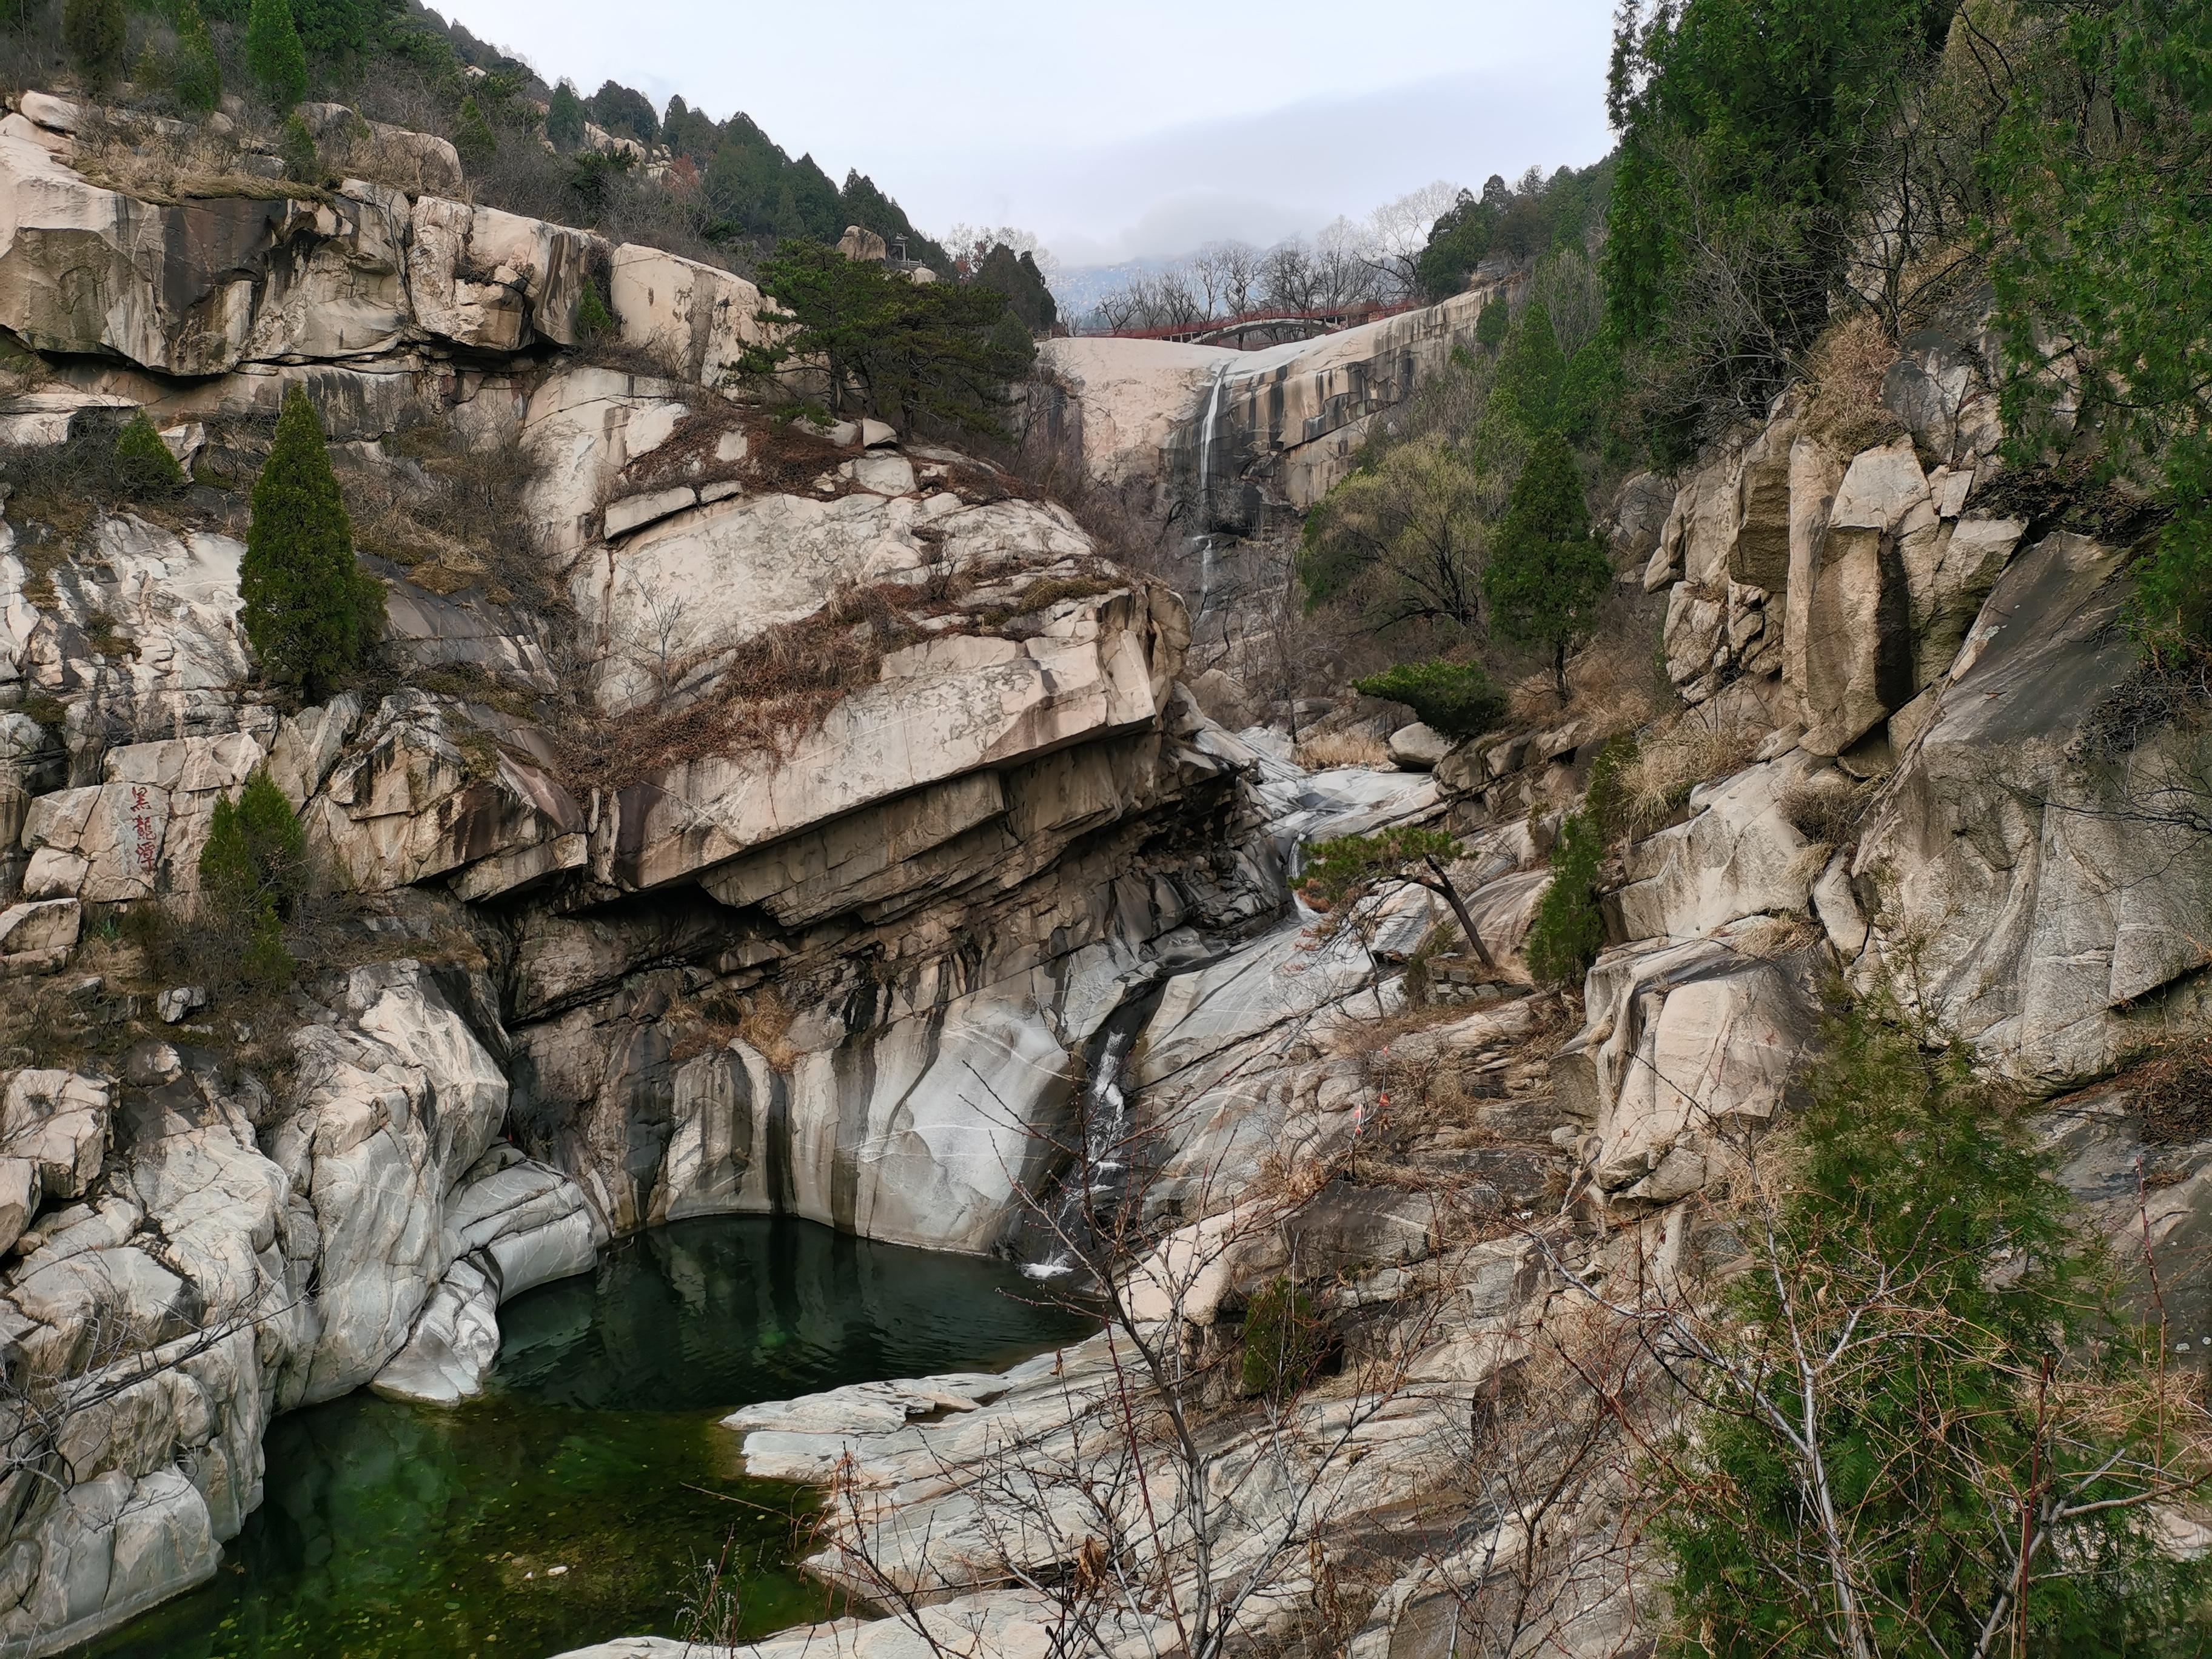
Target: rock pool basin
{"points": [[579, 1497]]}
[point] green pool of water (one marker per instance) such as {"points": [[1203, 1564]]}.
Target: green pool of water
{"points": [[578, 1498]]}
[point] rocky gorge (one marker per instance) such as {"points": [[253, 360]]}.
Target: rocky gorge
{"points": [[1938, 781], [628, 941]]}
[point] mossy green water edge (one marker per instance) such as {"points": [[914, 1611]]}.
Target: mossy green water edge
{"points": [[578, 1498]]}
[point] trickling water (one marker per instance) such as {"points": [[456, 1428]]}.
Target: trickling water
{"points": [[1205, 447], [1095, 1183], [1205, 429]]}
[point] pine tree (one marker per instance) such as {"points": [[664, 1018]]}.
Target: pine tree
{"points": [[252, 872], [564, 118], [473, 139], [199, 72], [273, 52], [1568, 930], [295, 144], [1531, 372], [594, 321], [144, 462], [94, 31], [1547, 575], [310, 611]]}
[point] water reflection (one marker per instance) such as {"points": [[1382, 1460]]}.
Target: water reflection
{"points": [[573, 1501]]}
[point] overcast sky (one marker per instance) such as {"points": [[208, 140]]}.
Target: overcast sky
{"points": [[1141, 127]]}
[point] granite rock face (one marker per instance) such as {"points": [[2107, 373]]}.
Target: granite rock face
{"points": [[1264, 430]]}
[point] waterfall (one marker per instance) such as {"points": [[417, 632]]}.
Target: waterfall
{"points": [[1205, 447], [1105, 1145], [1204, 490]]}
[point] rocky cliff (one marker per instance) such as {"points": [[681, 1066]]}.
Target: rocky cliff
{"points": [[1920, 756], [771, 831], [743, 820], [1241, 439]]}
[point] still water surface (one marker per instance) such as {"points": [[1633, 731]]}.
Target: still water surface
{"points": [[397, 1532]]}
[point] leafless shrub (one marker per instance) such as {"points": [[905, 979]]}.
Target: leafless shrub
{"points": [[2172, 1091], [455, 515]]}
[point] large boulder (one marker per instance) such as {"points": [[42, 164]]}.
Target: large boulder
{"points": [[1858, 649], [88, 270], [947, 706], [142, 831], [693, 318], [1688, 1049], [1736, 855], [2042, 878], [666, 602], [395, 1102], [427, 791], [583, 427], [492, 280]]}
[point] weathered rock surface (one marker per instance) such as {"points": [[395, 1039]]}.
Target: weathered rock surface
{"points": [[2047, 886], [1286, 421], [1688, 1047]]}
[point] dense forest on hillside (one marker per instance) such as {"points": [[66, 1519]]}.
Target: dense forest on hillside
{"points": [[727, 191], [1797, 188]]}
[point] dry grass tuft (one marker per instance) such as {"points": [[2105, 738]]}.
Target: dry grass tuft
{"points": [[1331, 748], [173, 166], [766, 693], [1845, 370], [2173, 1092], [1668, 764], [765, 1024], [1828, 810], [453, 516]]}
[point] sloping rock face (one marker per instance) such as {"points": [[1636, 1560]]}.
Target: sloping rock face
{"points": [[1251, 432], [846, 964], [2038, 879], [1959, 798]]}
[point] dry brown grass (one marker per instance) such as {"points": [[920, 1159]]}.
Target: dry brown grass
{"points": [[767, 693], [172, 167], [1827, 810], [1669, 764], [1344, 748], [765, 1024], [1844, 372], [454, 517], [2173, 1091]]}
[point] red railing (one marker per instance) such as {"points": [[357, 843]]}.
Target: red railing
{"points": [[1333, 317]]}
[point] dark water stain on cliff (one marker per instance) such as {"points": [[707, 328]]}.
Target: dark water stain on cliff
{"points": [[574, 1502]]}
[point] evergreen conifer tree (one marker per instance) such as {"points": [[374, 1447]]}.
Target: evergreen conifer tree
{"points": [[1547, 575], [93, 32], [273, 52], [144, 461], [564, 118], [473, 139], [199, 71], [295, 144], [1531, 370], [252, 872], [310, 611]]}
